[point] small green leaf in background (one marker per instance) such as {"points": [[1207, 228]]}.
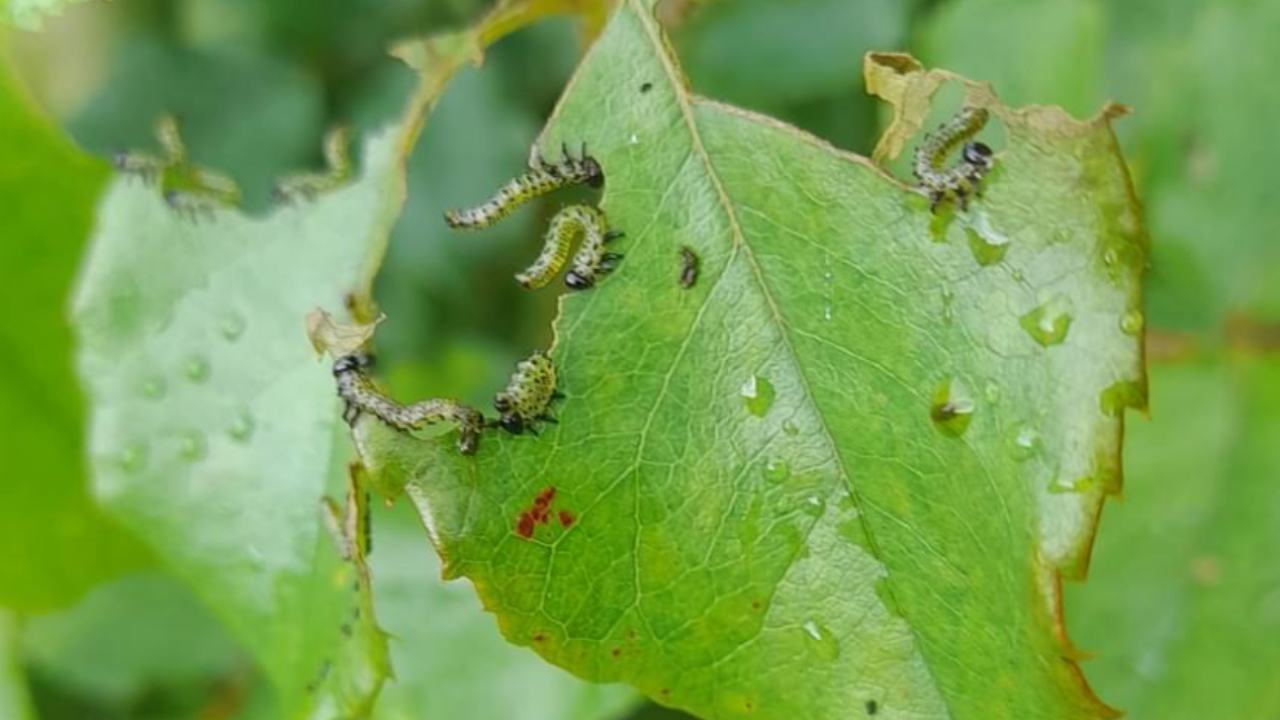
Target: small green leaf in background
{"points": [[760, 502], [54, 541]]}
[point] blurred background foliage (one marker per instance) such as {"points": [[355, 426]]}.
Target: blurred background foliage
{"points": [[1183, 606]]}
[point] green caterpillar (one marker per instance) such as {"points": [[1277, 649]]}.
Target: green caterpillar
{"points": [[976, 159], [542, 177], [528, 395], [591, 260], [360, 396]]}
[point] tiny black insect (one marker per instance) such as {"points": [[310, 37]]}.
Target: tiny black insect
{"points": [[872, 707], [528, 395], [976, 159], [360, 396], [542, 177], [688, 267], [646, 87]]}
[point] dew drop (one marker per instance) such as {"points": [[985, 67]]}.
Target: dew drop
{"points": [[813, 505], [1024, 442], [790, 428], [777, 471], [196, 369], [1110, 257], [154, 388], [987, 248], [952, 408], [948, 306], [132, 457], [233, 325], [192, 447], [634, 139], [826, 313], [241, 428], [1131, 322], [992, 392], [1048, 323], [820, 639], [758, 394], [1120, 395]]}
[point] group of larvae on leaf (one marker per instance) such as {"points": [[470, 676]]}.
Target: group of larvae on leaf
{"points": [[941, 182], [583, 223], [189, 190], [196, 192], [521, 405]]}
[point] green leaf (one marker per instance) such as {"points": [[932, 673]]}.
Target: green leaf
{"points": [[1181, 613], [55, 542], [213, 433], [891, 527]]}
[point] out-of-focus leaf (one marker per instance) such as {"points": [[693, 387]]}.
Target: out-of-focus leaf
{"points": [[15, 702], [1022, 48], [765, 56], [54, 542], [214, 429], [237, 110], [450, 660], [30, 14], [1183, 605], [844, 471], [117, 646]]}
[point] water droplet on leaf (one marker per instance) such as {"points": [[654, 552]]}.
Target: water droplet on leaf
{"points": [[241, 428], [1024, 442], [777, 471], [758, 394], [820, 639], [952, 408], [132, 457], [1131, 322], [233, 325], [154, 388], [196, 369], [1048, 324], [193, 446]]}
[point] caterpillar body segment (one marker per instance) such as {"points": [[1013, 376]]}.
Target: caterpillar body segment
{"points": [[309, 186], [528, 395], [940, 182], [359, 396], [542, 177]]}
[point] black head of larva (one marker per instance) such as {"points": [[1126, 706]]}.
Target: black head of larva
{"points": [[356, 362], [576, 281], [977, 153], [595, 174]]}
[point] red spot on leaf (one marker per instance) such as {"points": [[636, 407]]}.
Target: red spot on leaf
{"points": [[567, 518], [524, 526]]}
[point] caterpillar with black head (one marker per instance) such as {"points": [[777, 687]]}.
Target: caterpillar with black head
{"points": [[976, 159], [150, 168], [528, 395], [308, 186], [360, 396], [589, 263], [542, 177]]}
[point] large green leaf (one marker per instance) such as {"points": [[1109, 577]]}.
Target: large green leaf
{"points": [[755, 511], [1181, 611], [214, 427], [55, 543]]}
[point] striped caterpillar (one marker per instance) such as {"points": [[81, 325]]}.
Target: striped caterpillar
{"points": [[542, 177], [150, 168], [307, 186], [188, 190], [528, 395], [360, 396], [961, 180], [589, 263]]}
